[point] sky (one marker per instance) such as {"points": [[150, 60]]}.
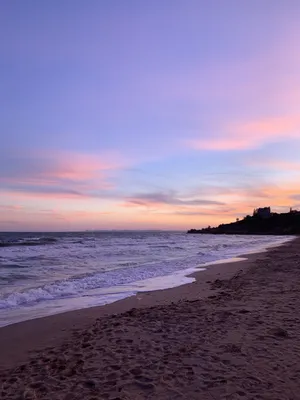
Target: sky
{"points": [[161, 114]]}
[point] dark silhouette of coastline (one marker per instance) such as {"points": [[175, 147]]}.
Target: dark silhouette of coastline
{"points": [[262, 222]]}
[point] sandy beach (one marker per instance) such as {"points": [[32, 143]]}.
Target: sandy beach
{"points": [[232, 334]]}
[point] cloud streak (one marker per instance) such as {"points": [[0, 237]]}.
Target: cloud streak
{"points": [[5, 207], [165, 198], [250, 135], [63, 175], [275, 165]]}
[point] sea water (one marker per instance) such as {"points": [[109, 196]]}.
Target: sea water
{"points": [[48, 273]]}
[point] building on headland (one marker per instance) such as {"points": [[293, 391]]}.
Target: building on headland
{"points": [[263, 222], [294, 211], [264, 212]]}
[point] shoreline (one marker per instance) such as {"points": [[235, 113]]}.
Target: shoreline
{"points": [[19, 340], [156, 283]]}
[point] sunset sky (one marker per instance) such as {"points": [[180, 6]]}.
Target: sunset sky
{"points": [[161, 114]]}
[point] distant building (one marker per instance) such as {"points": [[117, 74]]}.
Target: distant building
{"points": [[294, 211], [264, 212]]}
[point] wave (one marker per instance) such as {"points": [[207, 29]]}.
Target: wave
{"points": [[28, 242], [78, 286], [13, 277], [159, 246], [12, 266], [70, 270]]}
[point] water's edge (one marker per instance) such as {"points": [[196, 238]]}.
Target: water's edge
{"points": [[117, 293]]}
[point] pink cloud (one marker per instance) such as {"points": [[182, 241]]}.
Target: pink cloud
{"points": [[59, 175], [22, 194], [5, 207], [87, 214], [252, 134], [78, 167]]}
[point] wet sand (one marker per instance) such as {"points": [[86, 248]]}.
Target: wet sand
{"points": [[232, 334]]}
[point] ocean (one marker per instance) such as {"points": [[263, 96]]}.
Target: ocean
{"points": [[48, 273]]}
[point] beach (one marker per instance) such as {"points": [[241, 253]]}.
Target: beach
{"points": [[231, 334]]}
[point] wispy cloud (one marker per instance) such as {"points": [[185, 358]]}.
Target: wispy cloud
{"points": [[7, 222], [64, 175], [295, 197], [275, 164], [5, 207], [165, 198], [251, 134], [219, 211]]}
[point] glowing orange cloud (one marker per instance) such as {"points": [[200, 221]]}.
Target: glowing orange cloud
{"points": [[234, 203], [240, 136]]}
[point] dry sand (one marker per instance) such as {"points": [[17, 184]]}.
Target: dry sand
{"points": [[233, 334]]}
